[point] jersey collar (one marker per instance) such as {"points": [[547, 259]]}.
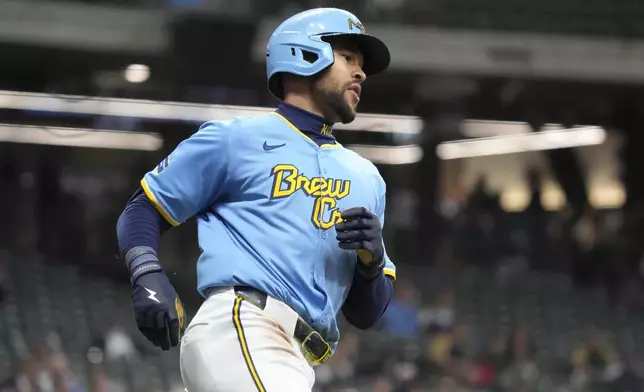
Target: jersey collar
{"points": [[315, 127]]}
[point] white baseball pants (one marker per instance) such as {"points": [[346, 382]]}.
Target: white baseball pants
{"points": [[233, 346]]}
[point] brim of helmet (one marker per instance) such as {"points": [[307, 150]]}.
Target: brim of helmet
{"points": [[375, 52]]}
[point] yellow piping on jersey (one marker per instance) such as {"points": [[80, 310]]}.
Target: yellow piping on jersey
{"points": [[244, 346], [336, 145], [159, 207]]}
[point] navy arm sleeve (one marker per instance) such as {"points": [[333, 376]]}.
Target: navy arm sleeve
{"points": [[367, 300], [140, 224]]}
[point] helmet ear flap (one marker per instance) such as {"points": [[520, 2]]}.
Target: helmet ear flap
{"points": [[275, 85]]}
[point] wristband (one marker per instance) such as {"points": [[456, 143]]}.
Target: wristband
{"points": [[144, 269], [139, 255], [141, 260]]}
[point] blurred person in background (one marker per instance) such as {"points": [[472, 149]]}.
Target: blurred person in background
{"points": [[537, 220], [343, 365], [597, 234], [492, 360], [43, 371], [383, 384], [439, 316], [118, 344], [519, 372], [507, 363], [448, 352], [479, 224], [594, 361], [401, 319], [482, 199], [450, 384], [535, 185]]}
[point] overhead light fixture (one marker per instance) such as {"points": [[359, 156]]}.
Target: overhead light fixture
{"points": [[137, 73], [534, 141], [399, 155], [184, 111], [473, 128], [489, 128], [77, 137], [611, 195], [517, 198]]}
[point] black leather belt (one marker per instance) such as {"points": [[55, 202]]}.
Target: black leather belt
{"points": [[310, 339]]}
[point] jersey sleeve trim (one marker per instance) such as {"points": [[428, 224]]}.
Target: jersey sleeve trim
{"points": [[159, 207], [390, 272]]}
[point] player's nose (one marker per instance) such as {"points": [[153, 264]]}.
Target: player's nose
{"points": [[358, 75]]}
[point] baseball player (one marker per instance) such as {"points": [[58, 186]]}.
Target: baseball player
{"points": [[289, 221]]}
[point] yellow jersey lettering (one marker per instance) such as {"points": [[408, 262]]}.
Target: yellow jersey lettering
{"points": [[336, 217], [325, 215], [303, 182], [317, 187], [339, 189], [327, 191], [278, 172]]}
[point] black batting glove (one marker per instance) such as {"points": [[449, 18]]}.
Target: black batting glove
{"points": [[361, 231], [159, 312]]}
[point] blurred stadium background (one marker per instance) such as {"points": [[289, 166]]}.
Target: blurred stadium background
{"points": [[509, 132]]}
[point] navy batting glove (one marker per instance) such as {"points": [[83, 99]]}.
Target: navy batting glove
{"points": [[360, 230], [158, 310]]}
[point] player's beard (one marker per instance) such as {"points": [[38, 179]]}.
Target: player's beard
{"points": [[333, 102]]}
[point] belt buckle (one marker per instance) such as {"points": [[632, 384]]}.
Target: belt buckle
{"points": [[316, 360]]}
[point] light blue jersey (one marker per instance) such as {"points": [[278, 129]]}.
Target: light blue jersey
{"points": [[267, 198]]}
